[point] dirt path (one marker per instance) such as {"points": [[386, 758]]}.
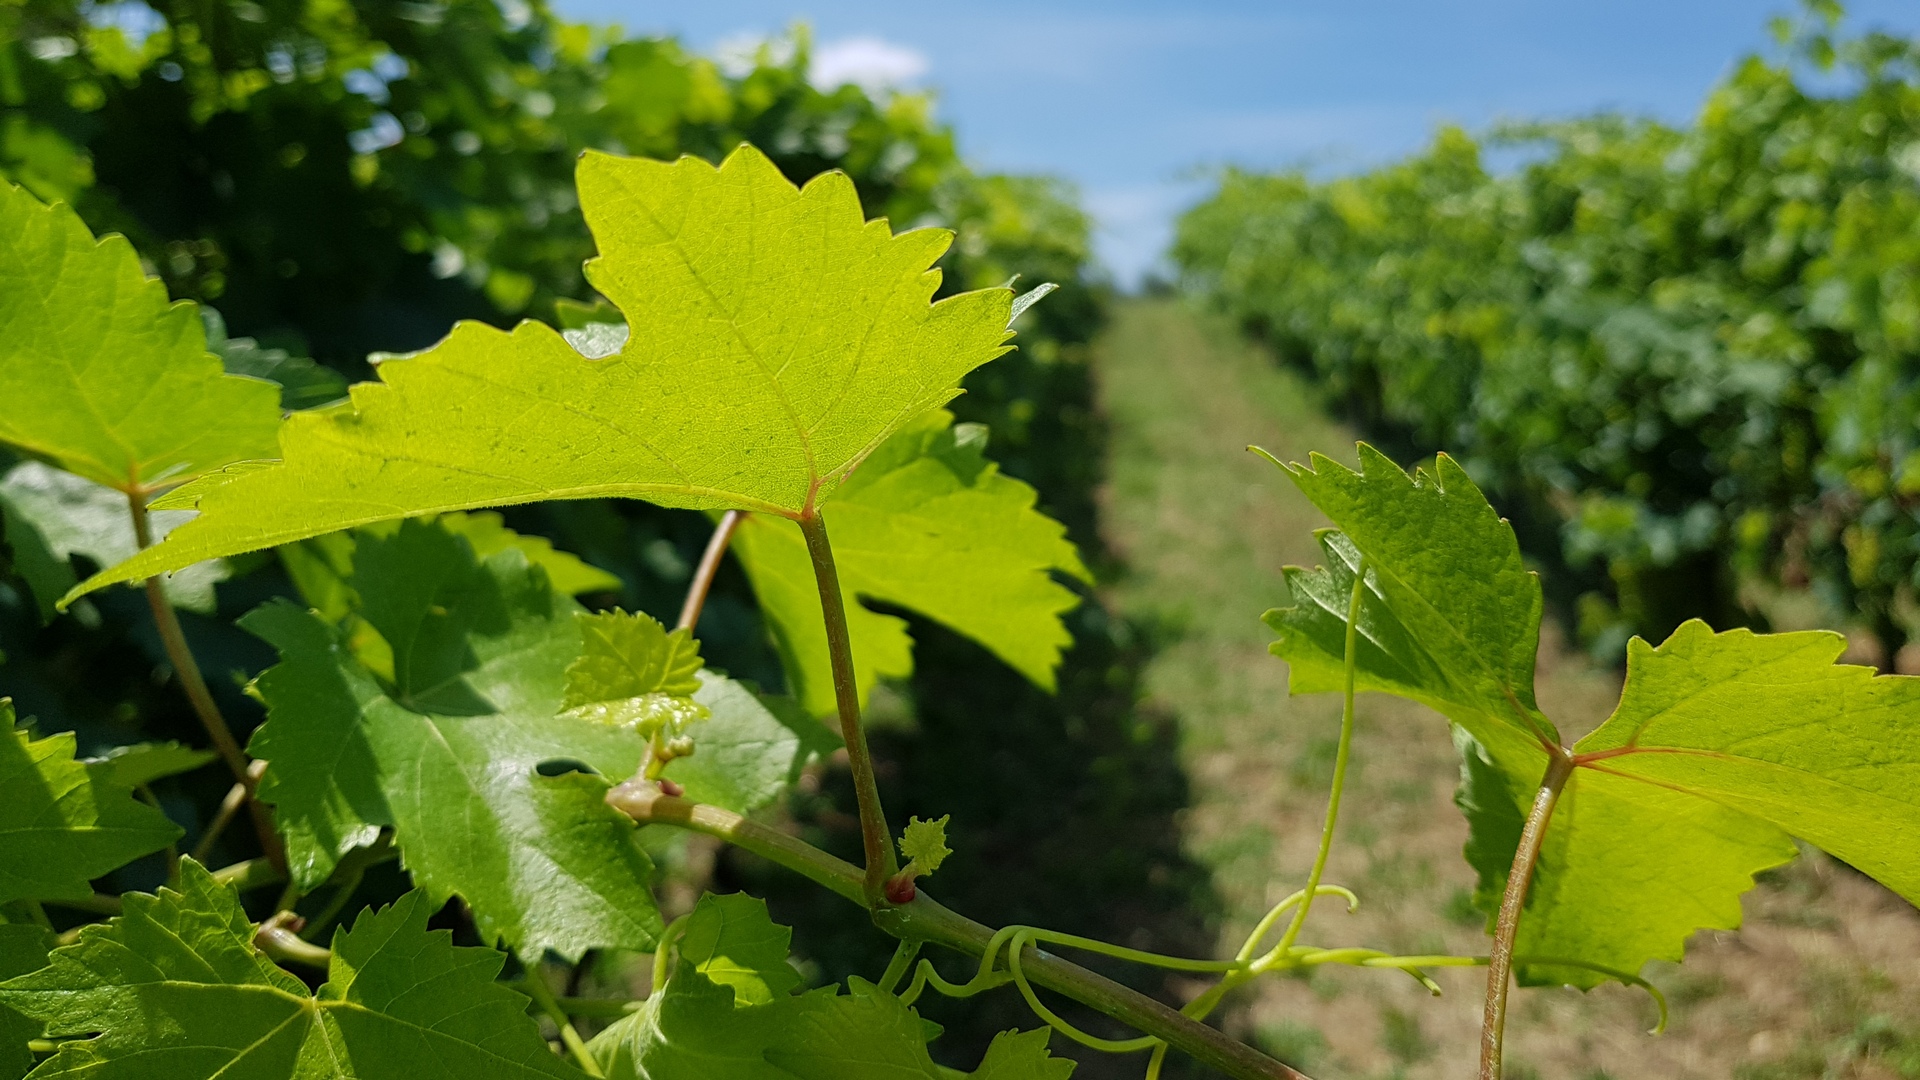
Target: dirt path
{"points": [[1825, 981]]}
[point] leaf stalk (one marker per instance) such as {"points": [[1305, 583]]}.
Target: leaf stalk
{"points": [[703, 575], [1493, 1024], [875, 837], [174, 639]]}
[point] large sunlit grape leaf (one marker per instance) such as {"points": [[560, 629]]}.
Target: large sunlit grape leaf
{"points": [[928, 524], [727, 1014], [100, 375], [1723, 750], [775, 340], [174, 990], [63, 822]]}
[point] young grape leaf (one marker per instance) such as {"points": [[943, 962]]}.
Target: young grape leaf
{"points": [[174, 990], [143, 763], [1466, 609], [727, 1014], [64, 823], [1723, 749], [71, 515], [776, 340], [929, 524], [102, 376], [631, 655], [23, 948], [447, 752]]}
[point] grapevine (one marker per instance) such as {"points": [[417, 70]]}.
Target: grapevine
{"points": [[778, 362]]}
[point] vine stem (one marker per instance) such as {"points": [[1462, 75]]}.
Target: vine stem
{"points": [[875, 837], [174, 639], [1500, 961], [535, 986], [923, 919], [703, 575]]}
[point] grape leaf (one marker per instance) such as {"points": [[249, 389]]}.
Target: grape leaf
{"points": [[303, 383], [23, 948], [748, 750], [776, 340], [143, 763], [64, 823], [447, 753], [726, 1014], [102, 376], [1723, 749], [929, 524], [46, 573], [175, 990], [628, 654], [71, 515], [321, 565], [733, 942], [1461, 617]]}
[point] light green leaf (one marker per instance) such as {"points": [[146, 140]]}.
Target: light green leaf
{"points": [[64, 823], [143, 763], [75, 516], [924, 844], [1465, 610], [726, 1014], [929, 524], [1724, 748], [732, 941], [776, 340], [23, 948], [629, 654], [100, 375], [447, 753], [174, 990]]}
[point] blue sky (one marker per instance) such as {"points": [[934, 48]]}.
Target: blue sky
{"points": [[1136, 102]]}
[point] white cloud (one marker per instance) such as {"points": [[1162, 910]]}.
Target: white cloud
{"points": [[873, 64]]}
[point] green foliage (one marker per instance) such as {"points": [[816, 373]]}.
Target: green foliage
{"points": [[924, 844], [928, 524], [728, 1013], [23, 948], [101, 376], [65, 822], [174, 990], [634, 674], [1723, 750], [826, 346], [446, 749], [1689, 353]]}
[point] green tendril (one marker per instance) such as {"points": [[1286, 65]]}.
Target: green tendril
{"points": [[1094, 1042]]}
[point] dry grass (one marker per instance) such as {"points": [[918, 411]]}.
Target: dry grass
{"points": [[1823, 982]]}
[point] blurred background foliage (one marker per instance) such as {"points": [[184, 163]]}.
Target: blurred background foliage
{"points": [[1685, 361], [339, 177]]}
